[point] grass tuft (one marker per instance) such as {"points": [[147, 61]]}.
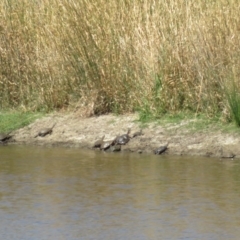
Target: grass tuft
{"points": [[10, 121], [233, 97]]}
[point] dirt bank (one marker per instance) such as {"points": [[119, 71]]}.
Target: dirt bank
{"points": [[72, 131]]}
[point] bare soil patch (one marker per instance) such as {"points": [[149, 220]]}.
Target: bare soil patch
{"points": [[72, 131]]}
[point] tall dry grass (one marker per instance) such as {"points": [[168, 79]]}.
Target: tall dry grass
{"points": [[121, 55]]}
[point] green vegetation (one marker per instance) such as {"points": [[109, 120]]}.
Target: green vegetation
{"points": [[192, 123], [13, 120], [233, 96], [155, 57]]}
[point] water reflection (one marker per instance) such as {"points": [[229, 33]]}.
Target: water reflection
{"points": [[74, 194]]}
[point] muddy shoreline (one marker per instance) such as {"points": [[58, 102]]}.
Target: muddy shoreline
{"points": [[75, 132]]}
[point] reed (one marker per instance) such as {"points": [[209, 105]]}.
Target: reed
{"points": [[233, 97], [118, 56]]}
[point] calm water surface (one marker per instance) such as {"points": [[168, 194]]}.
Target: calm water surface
{"points": [[70, 194]]}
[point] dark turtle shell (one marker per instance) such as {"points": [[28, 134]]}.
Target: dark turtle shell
{"points": [[123, 139], [161, 149], [99, 142], [43, 132]]}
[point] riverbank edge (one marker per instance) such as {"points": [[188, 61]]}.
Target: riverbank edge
{"points": [[76, 132]]}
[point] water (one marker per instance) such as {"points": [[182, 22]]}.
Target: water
{"points": [[70, 194]]}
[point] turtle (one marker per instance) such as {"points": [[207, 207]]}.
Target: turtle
{"points": [[107, 144], [43, 132], [115, 148], [224, 153], [136, 134], [4, 137], [123, 139], [98, 143], [161, 149]]}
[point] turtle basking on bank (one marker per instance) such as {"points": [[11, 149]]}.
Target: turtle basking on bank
{"points": [[99, 142], [4, 137], [136, 134], [43, 132], [115, 148], [107, 144], [123, 139], [161, 149]]}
